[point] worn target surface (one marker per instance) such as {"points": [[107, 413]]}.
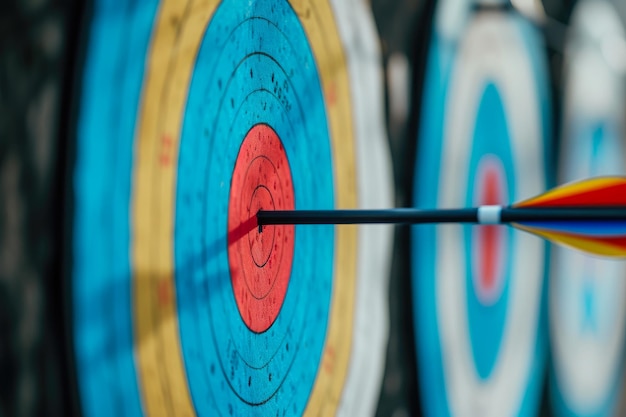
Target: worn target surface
{"points": [[587, 294], [478, 291], [195, 115]]}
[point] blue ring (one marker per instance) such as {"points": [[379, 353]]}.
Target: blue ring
{"points": [[254, 66], [102, 302]]}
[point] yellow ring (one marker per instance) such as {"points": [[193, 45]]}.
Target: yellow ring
{"points": [[178, 32]]}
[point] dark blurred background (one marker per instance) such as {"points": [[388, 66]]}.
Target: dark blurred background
{"points": [[38, 40]]}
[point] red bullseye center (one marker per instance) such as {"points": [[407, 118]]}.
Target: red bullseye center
{"points": [[260, 261]]}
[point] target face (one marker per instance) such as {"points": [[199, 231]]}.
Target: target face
{"points": [[194, 116], [588, 295], [478, 291]]}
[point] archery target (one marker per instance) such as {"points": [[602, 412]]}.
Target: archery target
{"points": [[588, 295], [478, 291], [194, 115]]}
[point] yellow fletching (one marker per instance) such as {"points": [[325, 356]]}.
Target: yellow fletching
{"points": [[589, 246]]}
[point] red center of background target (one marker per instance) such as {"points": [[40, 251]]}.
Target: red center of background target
{"points": [[260, 262], [491, 240]]}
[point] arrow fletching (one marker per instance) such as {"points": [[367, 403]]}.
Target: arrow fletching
{"points": [[601, 236]]}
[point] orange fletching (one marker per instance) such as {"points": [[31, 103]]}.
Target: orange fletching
{"points": [[598, 191]]}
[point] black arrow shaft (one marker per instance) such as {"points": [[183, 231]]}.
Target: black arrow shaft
{"points": [[387, 216], [418, 216]]}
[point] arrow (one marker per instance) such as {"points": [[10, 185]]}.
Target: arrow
{"points": [[588, 215], [480, 215]]}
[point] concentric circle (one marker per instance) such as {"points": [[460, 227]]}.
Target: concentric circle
{"points": [[194, 311], [483, 140], [260, 259], [242, 86]]}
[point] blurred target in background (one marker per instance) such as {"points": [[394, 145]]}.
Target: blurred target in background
{"points": [[483, 138], [587, 295]]}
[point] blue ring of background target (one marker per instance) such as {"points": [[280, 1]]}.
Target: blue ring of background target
{"points": [[254, 66], [440, 62], [101, 278], [487, 323]]}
